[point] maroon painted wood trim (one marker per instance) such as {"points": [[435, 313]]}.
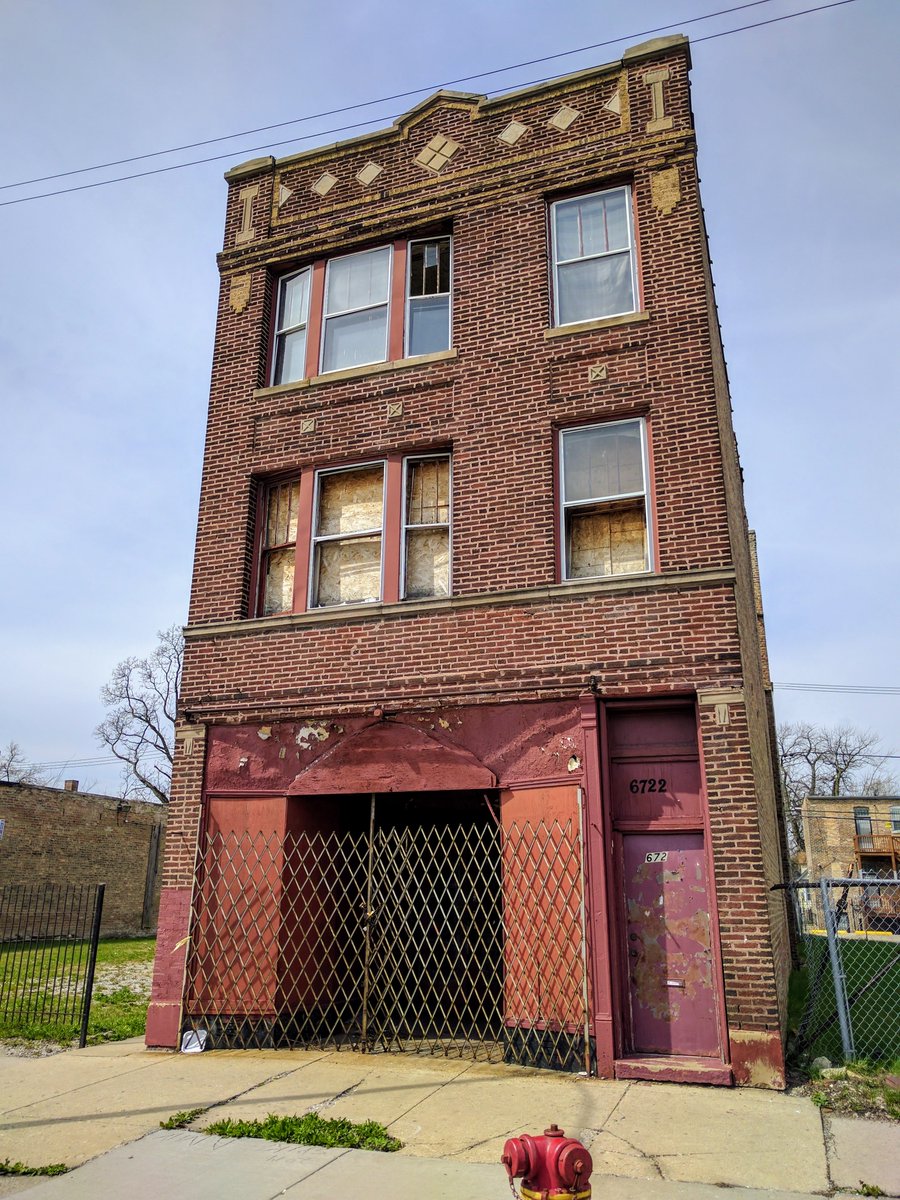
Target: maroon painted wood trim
{"points": [[621, 1002], [600, 918], [392, 531], [616, 878], [314, 321], [397, 307], [576, 779], [304, 541]]}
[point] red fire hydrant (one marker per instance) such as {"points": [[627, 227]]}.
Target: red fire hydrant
{"points": [[552, 1165]]}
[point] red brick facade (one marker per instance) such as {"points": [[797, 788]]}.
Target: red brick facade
{"points": [[515, 657]]}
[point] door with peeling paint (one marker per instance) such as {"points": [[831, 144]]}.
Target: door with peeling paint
{"points": [[669, 986], [669, 949]]}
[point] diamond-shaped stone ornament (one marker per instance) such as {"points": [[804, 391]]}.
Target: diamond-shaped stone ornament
{"points": [[324, 183]]}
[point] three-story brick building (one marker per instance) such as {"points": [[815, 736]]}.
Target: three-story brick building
{"points": [[476, 724]]}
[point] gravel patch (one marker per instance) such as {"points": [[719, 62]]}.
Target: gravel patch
{"points": [[109, 978]]}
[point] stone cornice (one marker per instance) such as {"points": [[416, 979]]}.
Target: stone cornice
{"points": [[557, 593]]}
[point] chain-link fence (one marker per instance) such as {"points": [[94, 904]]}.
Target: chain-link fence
{"points": [[850, 943], [457, 939]]}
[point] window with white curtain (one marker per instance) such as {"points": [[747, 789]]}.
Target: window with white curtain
{"points": [[594, 267], [363, 316], [357, 290]]}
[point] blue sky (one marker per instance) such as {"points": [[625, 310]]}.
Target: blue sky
{"points": [[108, 297]]}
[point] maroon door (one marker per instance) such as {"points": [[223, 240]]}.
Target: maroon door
{"points": [[668, 944]]}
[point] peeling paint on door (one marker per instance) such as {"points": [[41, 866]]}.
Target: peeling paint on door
{"points": [[669, 946]]}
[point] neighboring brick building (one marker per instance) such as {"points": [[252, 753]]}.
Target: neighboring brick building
{"points": [[63, 836], [846, 836], [472, 555]]}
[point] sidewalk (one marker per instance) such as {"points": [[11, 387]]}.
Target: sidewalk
{"points": [[656, 1141]]}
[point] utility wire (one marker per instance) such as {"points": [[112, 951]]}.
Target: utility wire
{"points": [[848, 688], [99, 761], [333, 112], [232, 154]]}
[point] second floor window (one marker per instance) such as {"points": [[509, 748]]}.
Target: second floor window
{"points": [[354, 535], [347, 532], [604, 509], [594, 267], [375, 306]]}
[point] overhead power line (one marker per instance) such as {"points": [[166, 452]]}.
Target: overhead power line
{"points": [[99, 761], [232, 154], [851, 689], [333, 112]]}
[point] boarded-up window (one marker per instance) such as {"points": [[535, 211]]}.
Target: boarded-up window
{"points": [[279, 546], [347, 536], [603, 469], [427, 527]]}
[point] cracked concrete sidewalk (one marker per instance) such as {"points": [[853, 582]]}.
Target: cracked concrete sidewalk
{"points": [[98, 1106]]}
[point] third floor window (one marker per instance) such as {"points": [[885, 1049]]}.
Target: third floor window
{"points": [[594, 267], [375, 306]]}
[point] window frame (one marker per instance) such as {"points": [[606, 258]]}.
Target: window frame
{"points": [[392, 583], [632, 250], [263, 549], [386, 304], [862, 815], [407, 322], [405, 526], [397, 326], [280, 332], [564, 505], [316, 539]]}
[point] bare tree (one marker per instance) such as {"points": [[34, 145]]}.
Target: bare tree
{"points": [[840, 760], [139, 728], [15, 768]]}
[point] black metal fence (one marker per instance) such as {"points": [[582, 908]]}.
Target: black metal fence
{"points": [[850, 941], [48, 950]]}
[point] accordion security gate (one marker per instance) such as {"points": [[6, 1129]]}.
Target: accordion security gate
{"points": [[455, 939]]}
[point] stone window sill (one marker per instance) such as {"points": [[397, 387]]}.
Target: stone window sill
{"points": [[592, 326], [400, 364]]}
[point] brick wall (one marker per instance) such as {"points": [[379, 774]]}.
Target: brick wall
{"points": [[56, 836], [829, 830]]}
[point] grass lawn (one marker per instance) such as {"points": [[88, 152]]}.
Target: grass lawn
{"points": [[872, 974], [41, 986]]}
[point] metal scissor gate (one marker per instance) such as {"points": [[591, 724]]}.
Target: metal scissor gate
{"points": [[430, 937]]}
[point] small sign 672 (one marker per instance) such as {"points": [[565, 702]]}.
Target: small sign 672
{"points": [[656, 856]]}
